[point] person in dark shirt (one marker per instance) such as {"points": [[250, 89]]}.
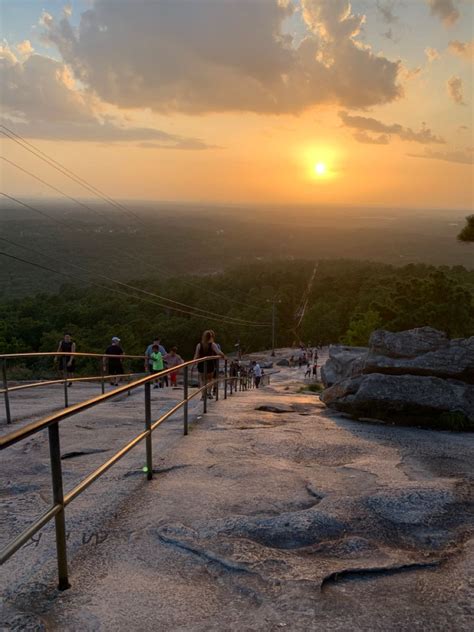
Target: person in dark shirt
{"points": [[66, 364], [115, 366]]}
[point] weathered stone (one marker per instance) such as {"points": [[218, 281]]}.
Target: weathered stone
{"points": [[407, 344], [273, 408], [405, 399], [454, 360], [343, 362], [283, 362]]}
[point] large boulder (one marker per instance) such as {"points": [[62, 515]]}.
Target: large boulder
{"points": [[343, 362], [405, 399], [453, 360], [407, 344], [415, 376], [283, 362]]}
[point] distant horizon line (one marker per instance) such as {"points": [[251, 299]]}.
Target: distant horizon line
{"points": [[250, 205]]}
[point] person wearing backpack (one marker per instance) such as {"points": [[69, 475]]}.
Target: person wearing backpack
{"points": [[207, 347]]}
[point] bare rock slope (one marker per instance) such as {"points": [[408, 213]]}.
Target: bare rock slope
{"points": [[258, 520]]}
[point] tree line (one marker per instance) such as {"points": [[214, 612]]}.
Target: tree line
{"points": [[348, 300]]}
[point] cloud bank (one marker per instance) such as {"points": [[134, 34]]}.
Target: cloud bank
{"points": [[460, 156], [208, 56], [367, 124], [40, 99]]}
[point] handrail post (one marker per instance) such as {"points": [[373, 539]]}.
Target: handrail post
{"points": [[185, 407], [5, 391], [225, 379], [217, 378], [66, 399], [102, 381], [129, 380], [204, 409], [58, 498], [148, 440]]}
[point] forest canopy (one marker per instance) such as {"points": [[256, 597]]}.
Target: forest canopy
{"points": [[348, 300]]}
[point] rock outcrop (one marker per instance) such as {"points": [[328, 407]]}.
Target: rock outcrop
{"points": [[412, 377], [343, 362]]}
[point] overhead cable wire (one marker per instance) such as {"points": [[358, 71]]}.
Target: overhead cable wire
{"points": [[69, 224], [129, 296], [69, 197], [235, 321], [65, 171], [91, 188]]}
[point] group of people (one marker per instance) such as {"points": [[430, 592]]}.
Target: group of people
{"points": [[238, 370], [157, 358], [306, 358]]}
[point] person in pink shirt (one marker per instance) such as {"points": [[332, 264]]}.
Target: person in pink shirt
{"points": [[173, 359]]}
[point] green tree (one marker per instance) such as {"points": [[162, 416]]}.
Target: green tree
{"points": [[360, 328], [467, 233]]}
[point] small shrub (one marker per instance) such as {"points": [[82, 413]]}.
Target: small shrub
{"points": [[315, 387]]}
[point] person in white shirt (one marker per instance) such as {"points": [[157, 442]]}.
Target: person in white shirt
{"points": [[257, 373]]}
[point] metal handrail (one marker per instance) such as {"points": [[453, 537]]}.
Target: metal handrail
{"points": [[51, 422], [37, 354], [90, 378]]}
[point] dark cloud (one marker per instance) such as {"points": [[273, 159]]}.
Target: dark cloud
{"points": [[460, 156], [367, 124], [386, 11], [209, 56], [445, 10], [102, 132], [41, 88], [194, 144], [363, 137], [455, 87], [40, 100]]}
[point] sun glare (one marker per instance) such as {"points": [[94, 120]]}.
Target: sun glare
{"points": [[320, 168]]}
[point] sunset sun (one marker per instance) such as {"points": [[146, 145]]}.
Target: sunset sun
{"points": [[320, 168]]}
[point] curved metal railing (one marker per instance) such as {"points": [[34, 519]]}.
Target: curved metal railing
{"points": [[51, 422], [65, 380]]}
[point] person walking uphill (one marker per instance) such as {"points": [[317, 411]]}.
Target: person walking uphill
{"points": [[207, 347], [157, 363], [257, 373], [115, 366], [149, 351], [66, 364], [172, 359]]}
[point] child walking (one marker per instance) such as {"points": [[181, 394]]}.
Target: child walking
{"points": [[157, 364], [172, 359]]}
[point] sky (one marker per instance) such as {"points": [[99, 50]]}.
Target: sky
{"points": [[320, 102]]}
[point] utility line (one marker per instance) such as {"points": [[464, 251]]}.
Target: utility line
{"points": [[65, 171], [70, 225], [129, 296], [69, 197], [10, 134], [236, 321]]}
